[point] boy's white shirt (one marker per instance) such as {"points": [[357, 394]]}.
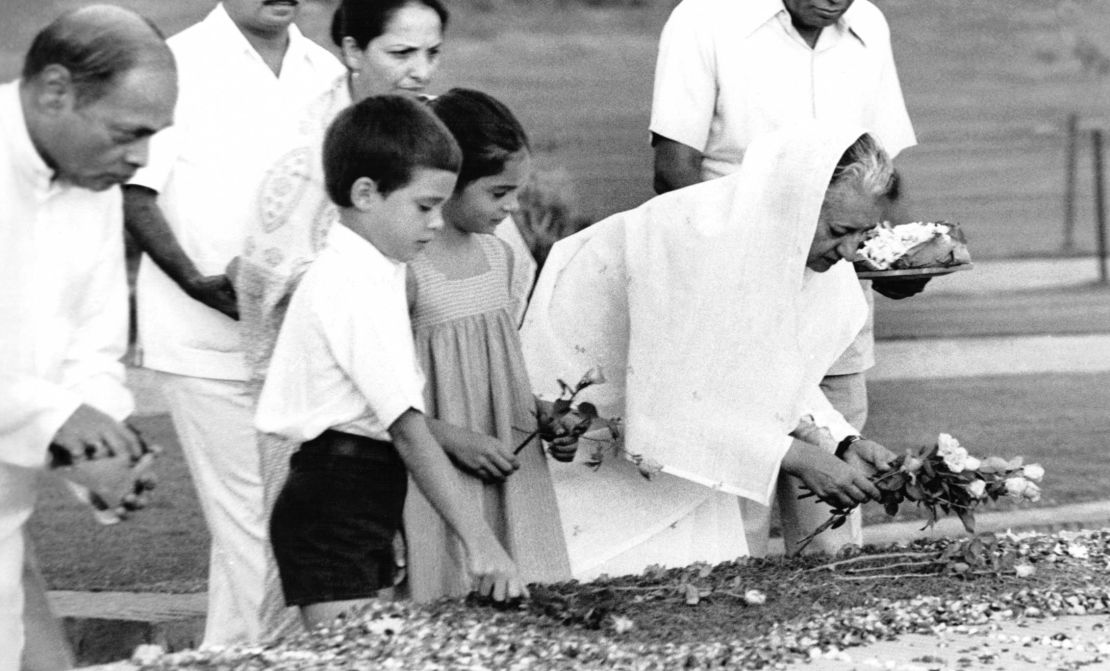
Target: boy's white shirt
{"points": [[344, 359]]}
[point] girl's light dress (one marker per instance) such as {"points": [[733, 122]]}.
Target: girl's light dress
{"points": [[468, 346]]}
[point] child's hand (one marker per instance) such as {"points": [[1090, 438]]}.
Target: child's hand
{"points": [[563, 448], [496, 575], [486, 458]]}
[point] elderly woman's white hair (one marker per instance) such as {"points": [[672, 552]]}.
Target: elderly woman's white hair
{"points": [[866, 164]]}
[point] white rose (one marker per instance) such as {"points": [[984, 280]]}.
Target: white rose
{"points": [[946, 442], [1016, 486], [1033, 472], [955, 459], [977, 488], [972, 464], [1032, 492]]}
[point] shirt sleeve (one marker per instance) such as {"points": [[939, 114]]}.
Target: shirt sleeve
{"points": [[825, 415], [684, 98], [92, 367], [34, 410], [373, 347]]}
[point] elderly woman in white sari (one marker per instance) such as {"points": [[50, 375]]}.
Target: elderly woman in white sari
{"points": [[714, 311]]}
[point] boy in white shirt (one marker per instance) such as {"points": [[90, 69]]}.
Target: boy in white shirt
{"points": [[344, 379]]}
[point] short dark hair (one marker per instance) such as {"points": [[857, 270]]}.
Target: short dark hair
{"points": [[487, 132], [96, 52], [363, 20], [384, 138]]}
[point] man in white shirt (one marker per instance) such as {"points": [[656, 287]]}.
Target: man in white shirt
{"points": [[96, 84], [246, 76], [731, 71]]}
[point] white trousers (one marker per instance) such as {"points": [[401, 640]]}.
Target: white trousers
{"points": [[799, 517], [214, 423]]}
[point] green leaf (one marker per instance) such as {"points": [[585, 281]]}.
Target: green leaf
{"points": [[561, 406], [587, 409], [968, 520]]}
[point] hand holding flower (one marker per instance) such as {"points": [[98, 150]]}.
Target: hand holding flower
{"points": [[869, 457]]}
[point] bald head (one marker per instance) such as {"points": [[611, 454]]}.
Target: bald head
{"points": [[97, 45]]}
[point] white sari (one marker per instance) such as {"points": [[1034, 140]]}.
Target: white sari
{"points": [[713, 336]]}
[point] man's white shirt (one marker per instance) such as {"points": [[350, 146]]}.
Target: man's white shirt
{"points": [[63, 329], [730, 71], [233, 119]]}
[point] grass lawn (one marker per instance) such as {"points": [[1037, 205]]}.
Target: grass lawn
{"points": [[1058, 420]]}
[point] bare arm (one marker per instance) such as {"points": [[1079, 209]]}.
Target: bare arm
{"points": [[496, 574], [145, 222], [676, 164]]}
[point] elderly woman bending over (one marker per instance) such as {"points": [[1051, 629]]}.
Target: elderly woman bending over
{"points": [[715, 310]]}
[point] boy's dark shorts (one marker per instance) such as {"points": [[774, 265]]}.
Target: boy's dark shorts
{"points": [[333, 523]]}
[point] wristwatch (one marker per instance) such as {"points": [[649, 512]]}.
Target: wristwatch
{"points": [[842, 446]]}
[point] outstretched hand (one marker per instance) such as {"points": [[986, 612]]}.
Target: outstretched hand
{"points": [[495, 575]]}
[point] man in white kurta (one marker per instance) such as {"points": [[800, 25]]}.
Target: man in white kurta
{"points": [[63, 285], [247, 77], [729, 72]]}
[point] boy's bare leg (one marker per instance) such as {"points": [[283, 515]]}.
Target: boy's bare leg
{"points": [[45, 647]]}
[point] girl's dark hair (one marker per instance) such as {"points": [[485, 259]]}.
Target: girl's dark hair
{"points": [[485, 129], [385, 138], [364, 20]]}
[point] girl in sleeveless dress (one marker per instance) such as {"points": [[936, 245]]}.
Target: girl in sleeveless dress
{"points": [[467, 343]]}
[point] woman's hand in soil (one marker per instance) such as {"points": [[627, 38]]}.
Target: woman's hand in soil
{"points": [[485, 457], [830, 479]]}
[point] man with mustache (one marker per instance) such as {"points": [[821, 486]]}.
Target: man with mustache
{"points": [[97, 83], [247, 76], [729, 72]]}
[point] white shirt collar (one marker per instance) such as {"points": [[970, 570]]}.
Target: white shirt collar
{"points": [[764, 11], [30, 163], [351, 245], [229, 34]]}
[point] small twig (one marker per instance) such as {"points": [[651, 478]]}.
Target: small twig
{"points": [[526, 440], [890, 566], [853, 560], [886, 575]]}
